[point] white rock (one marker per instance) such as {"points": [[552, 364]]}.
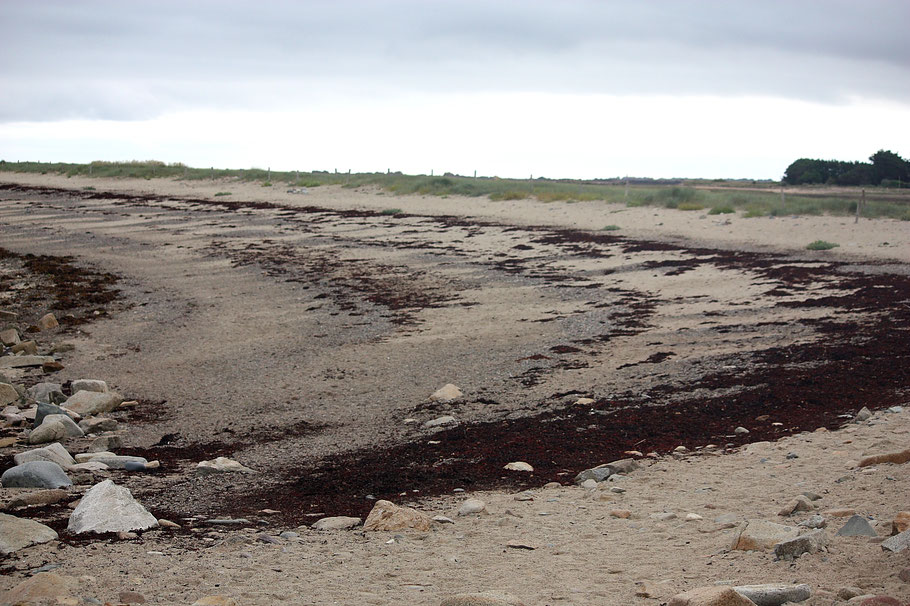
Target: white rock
{"points": [[222, 465], [107, 507], [72, 430], [471, 506], [92, 402], [439, 421], [55, 453], [741, 431], [589, 484], [446, 393], [519, 466], [336, 523], [49, 431], [89, 385], [84, 457], [443, 520], [693, 517]]}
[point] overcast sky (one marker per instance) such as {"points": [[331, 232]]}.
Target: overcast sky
{"points": [[560, 88]]}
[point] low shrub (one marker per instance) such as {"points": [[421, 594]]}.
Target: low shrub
{"points": [[821, 245]]}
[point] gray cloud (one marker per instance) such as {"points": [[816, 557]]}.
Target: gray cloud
{"points": [[131, 60]]}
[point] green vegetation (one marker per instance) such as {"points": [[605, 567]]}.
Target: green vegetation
{"points": [[753, 199], [821, 245], [610, 228], [88, 188], [390, 211], [222, 193]]}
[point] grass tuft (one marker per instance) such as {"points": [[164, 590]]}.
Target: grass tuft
{"points": [[722, 210], [821, 245], [390, 211], [610, 228]]}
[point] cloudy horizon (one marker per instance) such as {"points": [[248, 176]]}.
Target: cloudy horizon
{"points": [[578, 88]]}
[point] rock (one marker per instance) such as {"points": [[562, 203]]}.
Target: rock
{"points": [[800, 503], [864, 414], [446, 393], [519, 466], [624, 514], [105, 443], [814, 521], [487, 598], [693, 517], [336, 523], [53, 452], [47, 322], [53, 366], [439, 421], [897, 458], [93, 402], [386, 516], [8, 394], [47, 432], [881, 600], [48, 393], [471, 506], [42, 497], [9, 337], [443, 520], [72, 430], [774, 595], [89, 467], [598, 474], [216, 600], [35, 474], [222, 465], [18, 533], [23, 361], [740, 431], [901, 522], [759, 535], [710, 596], [89, 385], [44, 587], [623, 466], [113, 461], [589, 484], [897, 543], [44, 409], [857, 526], [107, 507], [848, 593], [28, 348], [810, 542], [663, 516], [98, 425], [131, 597], [163, 523]]}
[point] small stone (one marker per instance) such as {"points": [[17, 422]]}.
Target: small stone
{"points": [[9, 337], [740, 431], [848, 593], [44, 587], [72, 430], [131, 597], [598, 474], [35, 474], [42, 497], [336, 523], [811, 496], [443, 520], [624, 514], [164, 523], [814, 521], [52, 452], [440, 421], [89, 385], [446, 393], [222, 465], [47, 432], [487, 598], [525, 495], [864, 414], [857, 526], [386, 516], [52, 366], [107, 507], [471, 506], [897, 543], [896, 458], [774, 595], [901, 522], [106, 443], [584, 401], [215, 600], [8, 394], [518, 466], [693, 517], [663, 516], [710, 596], [800, 503], [810, 542], [126, 536], [98, 425], [28, 348], [47, 322], [520, 545], [19, 533], [589, 484], [680, 449], [759, 535]]}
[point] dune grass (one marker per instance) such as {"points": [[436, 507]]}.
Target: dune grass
{"points": [[720, 196]]}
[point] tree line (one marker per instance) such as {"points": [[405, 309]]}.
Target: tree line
{"points": [[884, 168]]}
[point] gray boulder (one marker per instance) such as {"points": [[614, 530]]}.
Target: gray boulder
{"points": [[107, 507], [774, 595], [897, 543], [89, 385], [18, 533], [92, 402], [49, 431], [98, 425], [72, 430], [35, 474], [45, 409], [602, 472], [49, 393], [115, 461], [857, 526], [55, 453], [810, 542]]}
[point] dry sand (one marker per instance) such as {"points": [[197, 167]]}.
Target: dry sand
{"points": [[250, 321]]}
